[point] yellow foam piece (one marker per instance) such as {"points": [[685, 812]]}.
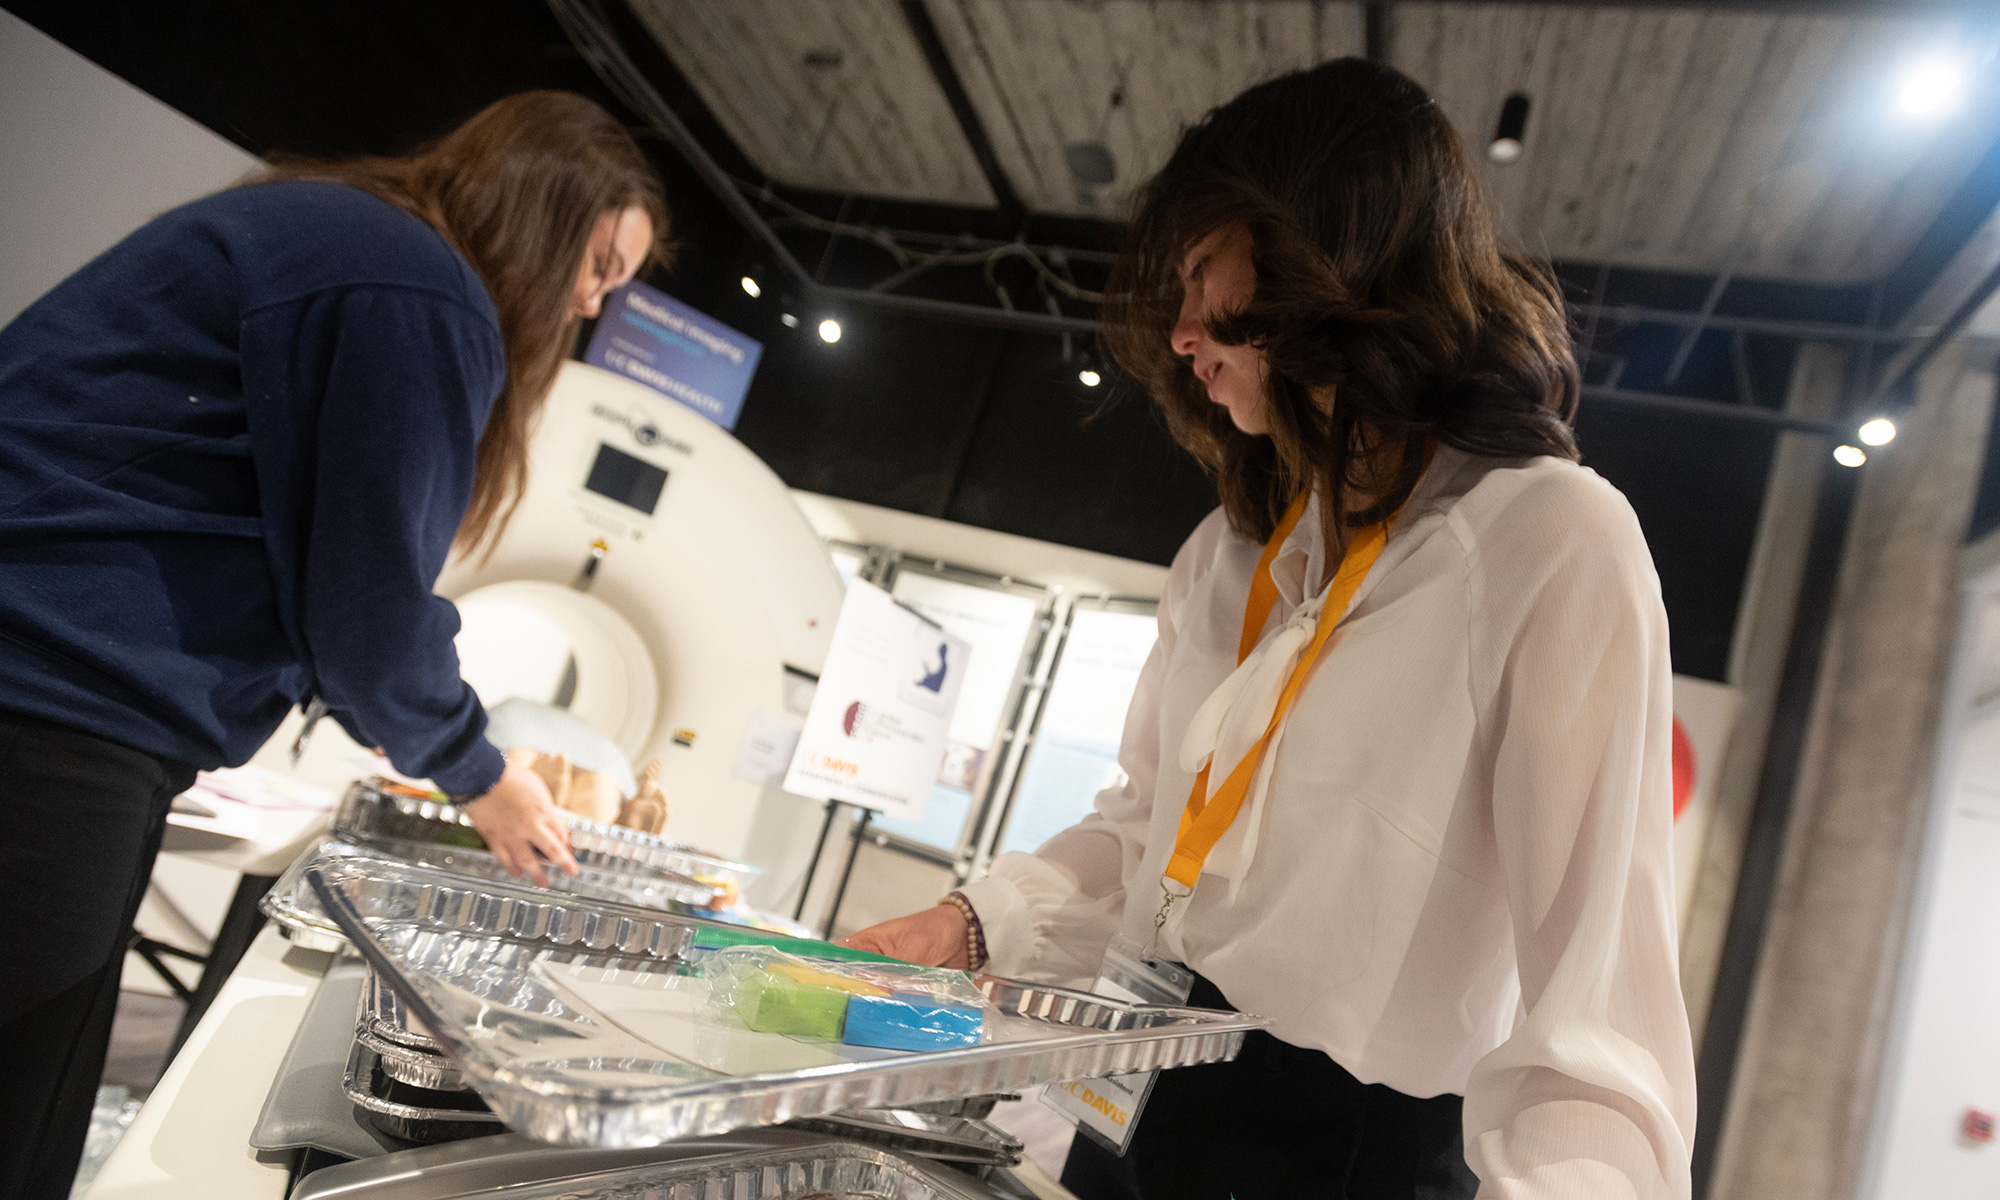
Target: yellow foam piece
{"points": [[800, 973]]}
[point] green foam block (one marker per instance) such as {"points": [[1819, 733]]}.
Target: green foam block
{"points": [[718, 937], [775, 1004]]}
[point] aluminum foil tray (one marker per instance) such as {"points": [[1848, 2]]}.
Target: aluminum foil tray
{"points": [[589, 1044], [833, 1171], [295, 910], [762, 1164], [369, 811], [422, 1123], [382, 1014], [961, 1140], [417, 1068], [292, 904], [513, 920]]}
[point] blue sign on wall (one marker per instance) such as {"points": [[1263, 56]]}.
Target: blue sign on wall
{"points": [[684, 354]]}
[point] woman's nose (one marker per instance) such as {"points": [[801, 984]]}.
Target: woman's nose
{"points": [[1188, 330]]}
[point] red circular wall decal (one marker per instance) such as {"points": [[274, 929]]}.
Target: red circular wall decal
{"points": [[1683, 768]]}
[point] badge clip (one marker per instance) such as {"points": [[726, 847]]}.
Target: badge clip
{"points": [[1167, 898]]}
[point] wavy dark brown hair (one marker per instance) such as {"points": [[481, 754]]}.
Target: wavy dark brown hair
{"points": [[516, 190], [1380, 284]]}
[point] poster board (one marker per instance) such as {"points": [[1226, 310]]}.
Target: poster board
{"points": [[875, 733], [998, 622]]}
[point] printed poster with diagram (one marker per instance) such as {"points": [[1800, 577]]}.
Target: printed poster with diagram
{"points": [[876, 731]]}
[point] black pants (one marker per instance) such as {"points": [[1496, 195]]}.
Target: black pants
{"points": [[1278, 1122], [80, 822]]}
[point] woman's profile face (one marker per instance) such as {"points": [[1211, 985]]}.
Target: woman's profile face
{"points": [[617, 245], [1218, 277]]}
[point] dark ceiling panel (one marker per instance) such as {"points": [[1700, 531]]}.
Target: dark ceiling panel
{"points": [[1051, 461]]}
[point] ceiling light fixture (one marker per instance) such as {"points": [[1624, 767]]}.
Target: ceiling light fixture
{"points": [[829, 331], [1932, 86], [1089, 378], [1507, 136], [1878, 432], [1849, 456], [751, 288], [791, 322]]}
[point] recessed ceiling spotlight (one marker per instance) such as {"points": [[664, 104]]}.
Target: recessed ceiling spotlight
{"points": [[1849, 456], [829, 331], [751, 288], [1507, 136], [1089, 378], [1878, 432], [1935, 85], [791, 322]]}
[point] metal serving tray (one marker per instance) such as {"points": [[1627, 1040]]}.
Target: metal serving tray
{"points": [[587, 1043]]}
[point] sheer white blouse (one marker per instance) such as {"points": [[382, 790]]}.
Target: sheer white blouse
{"points": [[1459, 871]]}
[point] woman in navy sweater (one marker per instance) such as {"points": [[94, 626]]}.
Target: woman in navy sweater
{"points": [[235, 452]]}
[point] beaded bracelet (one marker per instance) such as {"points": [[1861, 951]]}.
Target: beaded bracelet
{"points": [[975, 933]]}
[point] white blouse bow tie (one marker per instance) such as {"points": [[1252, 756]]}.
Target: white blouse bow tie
{"points": [[1229, 723]]}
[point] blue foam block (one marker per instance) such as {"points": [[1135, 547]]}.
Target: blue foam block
{"points": [[910, 1021]]}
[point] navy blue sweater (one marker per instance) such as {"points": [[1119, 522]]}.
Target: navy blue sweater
{"points": [[234, 451]]}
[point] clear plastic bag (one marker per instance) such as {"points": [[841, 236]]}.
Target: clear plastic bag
{"points": [[888, 1006]]}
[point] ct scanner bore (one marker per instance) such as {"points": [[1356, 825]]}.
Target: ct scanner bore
{"points": [[561, 647]]}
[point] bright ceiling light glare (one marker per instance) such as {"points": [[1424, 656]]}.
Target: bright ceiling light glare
{"points": [[1508, 135], [1849, 456], [829, 331], [791, 322], [1931, 87], [750, 287], [1878, 432], [1089, 378]]}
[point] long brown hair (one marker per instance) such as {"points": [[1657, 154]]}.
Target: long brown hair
{"points": [[1380, 282], [516, 190]]}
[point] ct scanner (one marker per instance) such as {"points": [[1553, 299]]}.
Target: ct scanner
{"points": [[659, 582]]}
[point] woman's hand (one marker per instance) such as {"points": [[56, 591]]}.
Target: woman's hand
{"points": [[934, 937], [517, 819]]}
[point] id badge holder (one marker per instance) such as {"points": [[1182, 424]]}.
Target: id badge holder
{"points": [[1107, 1110]]}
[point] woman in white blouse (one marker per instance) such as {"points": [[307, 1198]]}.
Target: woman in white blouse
{"points": [[1437, 843]]}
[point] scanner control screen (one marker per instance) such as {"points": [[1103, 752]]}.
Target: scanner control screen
{"points": [[630, 481]]}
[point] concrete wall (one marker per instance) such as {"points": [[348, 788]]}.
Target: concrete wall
{"points": [[1809, 1069], [85, 158]]}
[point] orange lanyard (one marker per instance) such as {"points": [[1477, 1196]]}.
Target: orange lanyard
{"points": [[1206, 818]]}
